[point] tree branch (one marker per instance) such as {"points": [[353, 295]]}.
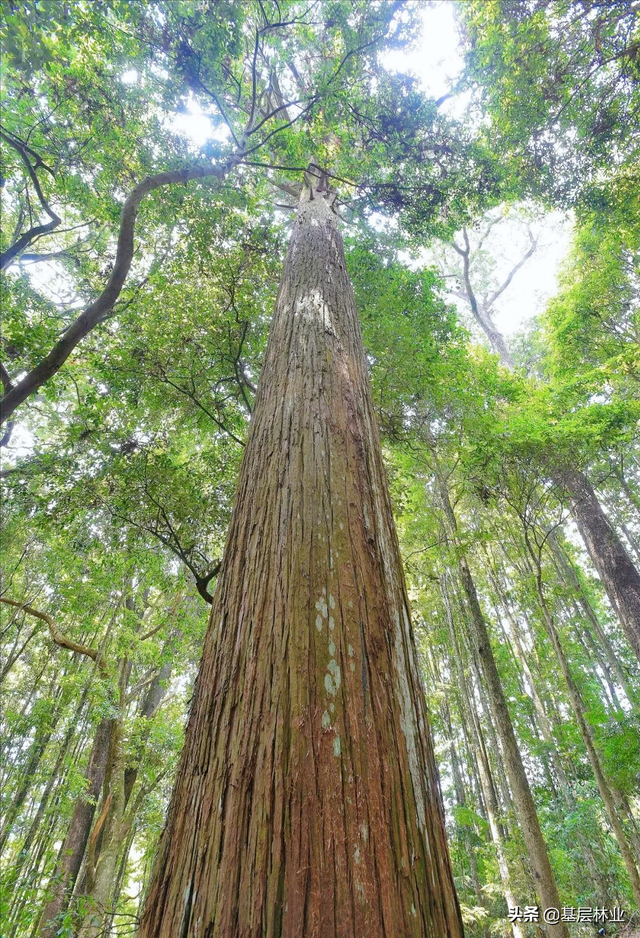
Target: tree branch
{"points": [[483, 316], [98, 309], [254, 79], [37, 230], [176, 548], [165, 380], [514, 270], [203, 582], [57, 635]]}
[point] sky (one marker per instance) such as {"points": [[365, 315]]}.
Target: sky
{"points": [[436, 61]]}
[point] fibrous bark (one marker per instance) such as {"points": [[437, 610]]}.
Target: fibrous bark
{"points": [[307, 800]]}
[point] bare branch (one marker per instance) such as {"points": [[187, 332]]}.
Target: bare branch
{"points": [[481, 316], [218, 104], [37, 230], [135, 690], [514, 271], [165, 380], [298, 169], [283, 107], [201, 581], [38, 159], [277, 130], [25, 240]]}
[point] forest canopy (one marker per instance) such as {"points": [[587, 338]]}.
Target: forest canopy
{"points": [[172, 172]]}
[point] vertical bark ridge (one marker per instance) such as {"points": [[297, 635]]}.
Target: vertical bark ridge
{"points": [[307, 800]]}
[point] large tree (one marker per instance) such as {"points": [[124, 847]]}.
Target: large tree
{"points": [[121, 467], [307, 798]]}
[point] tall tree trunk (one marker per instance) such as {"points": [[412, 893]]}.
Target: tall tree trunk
{"points": [[571, 576], [619, 575], [527, 815], [115, 822], [597, 880], [487, 786], [77, 836], [577, 705], [307, 799]]}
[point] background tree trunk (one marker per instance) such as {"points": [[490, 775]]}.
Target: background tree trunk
{"points": [[307, 800], [617, 571], [526, 810], [75, 842], [578, 708]]}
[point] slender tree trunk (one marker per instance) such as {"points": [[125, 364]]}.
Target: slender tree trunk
{"points": [[461, 802], [148, 707], [633, 497], [307, 800], [632, 541], [570, 574], [607, 693], [77, 836], [21, 874], [119, 882], [527, 815], [36, 752], [624, 811], [597, 880], [487, 786], [101, 864], [101, 859], [502, 785], [578, 708], [616, 570], [17, 650], [463, 830], [537, 731]]}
